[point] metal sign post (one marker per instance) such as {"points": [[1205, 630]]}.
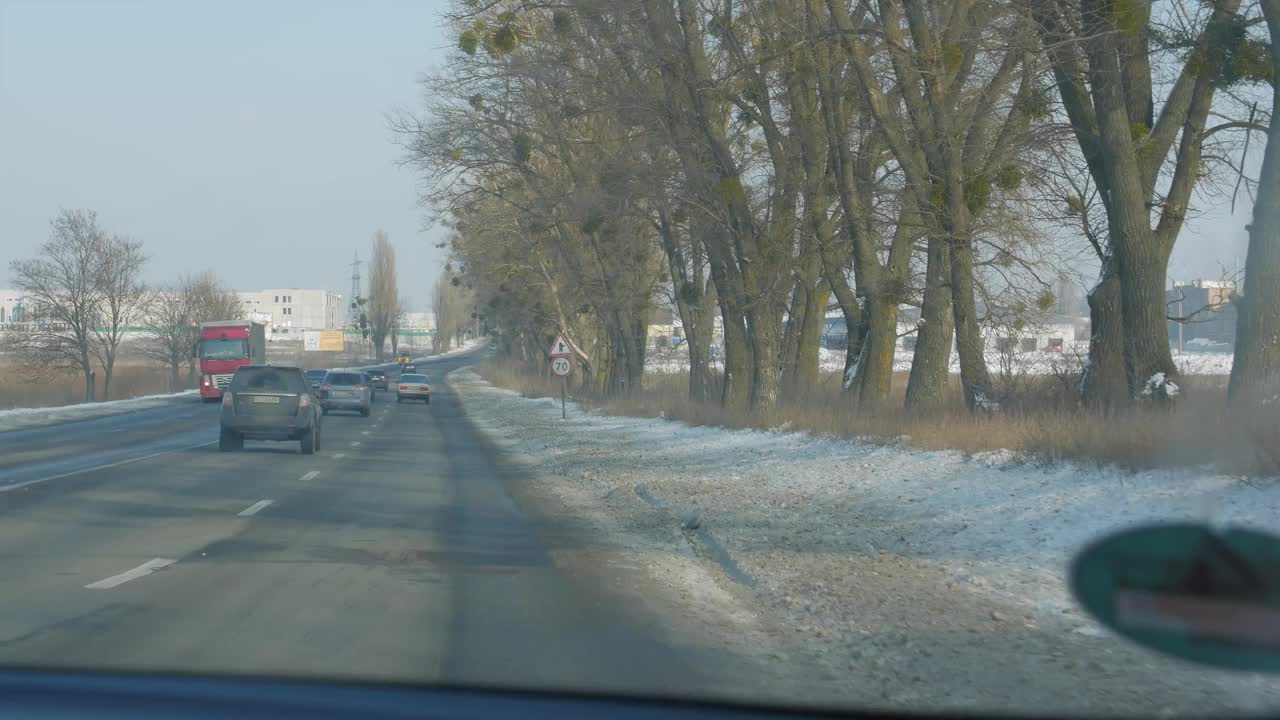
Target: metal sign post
{"points": [[562, 364]]}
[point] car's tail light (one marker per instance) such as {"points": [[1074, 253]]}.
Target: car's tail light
{"points": [[404, 387], [304, 400], [226, 400]]}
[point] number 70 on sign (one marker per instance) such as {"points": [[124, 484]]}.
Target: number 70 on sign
{"points": [[561, 366]]}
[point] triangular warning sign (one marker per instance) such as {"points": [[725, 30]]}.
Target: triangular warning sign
{"points": [[560, 348]]}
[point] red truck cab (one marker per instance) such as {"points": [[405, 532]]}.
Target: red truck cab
{"points": [[225, 345]]}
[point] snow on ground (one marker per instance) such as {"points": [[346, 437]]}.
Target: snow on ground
{"points": [[918, 580], [19, 418], [1031, 363]]}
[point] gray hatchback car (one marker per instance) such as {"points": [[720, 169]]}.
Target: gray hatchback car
{"points": [[346, 390], [268, 402]]}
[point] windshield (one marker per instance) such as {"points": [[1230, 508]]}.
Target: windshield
{"points": [[783, 352], [223, 349]]}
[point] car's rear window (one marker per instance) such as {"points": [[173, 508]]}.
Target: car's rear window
{"points": [[267, 379], [344, 379], [413, 378]]}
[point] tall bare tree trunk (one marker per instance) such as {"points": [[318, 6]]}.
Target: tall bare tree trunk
{"points": [[1104, 382], [874, 378], [815, 322], [1255, 372], [737, 363], [931, 360], [698, 339]]}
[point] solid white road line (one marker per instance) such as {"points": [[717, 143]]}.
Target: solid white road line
{"points": [[104, 466], [309, 476], [142, 570], [254, 508]]}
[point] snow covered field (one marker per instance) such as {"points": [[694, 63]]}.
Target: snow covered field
{"points": [[1032, 363], [19, 418], [884, 575]]}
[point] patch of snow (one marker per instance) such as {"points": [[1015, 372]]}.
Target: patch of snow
{"points": [[19, 418], [893, 563]]}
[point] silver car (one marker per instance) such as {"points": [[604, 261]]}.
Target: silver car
{"points": [[346, 390]]}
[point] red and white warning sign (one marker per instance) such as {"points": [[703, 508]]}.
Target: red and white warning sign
{"points": [[560, 348]]}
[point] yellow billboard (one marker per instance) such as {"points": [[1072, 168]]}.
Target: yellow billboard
{"points": [[331, 341]]}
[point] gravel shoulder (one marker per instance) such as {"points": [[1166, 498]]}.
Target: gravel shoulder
{"points": [[879, 576]]}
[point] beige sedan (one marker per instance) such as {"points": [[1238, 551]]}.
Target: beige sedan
{"points": [[413, 387]]}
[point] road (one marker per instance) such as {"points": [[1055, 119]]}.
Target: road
{"points": [[399, 551]]}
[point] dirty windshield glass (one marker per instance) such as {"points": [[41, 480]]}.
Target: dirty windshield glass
{"points": [[764, 351]]}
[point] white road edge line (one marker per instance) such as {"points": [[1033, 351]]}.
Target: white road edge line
{"points": [[309, 476], [142, 570], [254, 508], [81, 471]]}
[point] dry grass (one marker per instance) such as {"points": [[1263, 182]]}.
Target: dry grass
{"points": [[1040, 419], [129, 380]]}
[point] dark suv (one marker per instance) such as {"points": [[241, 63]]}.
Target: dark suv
{"points": [[268, 402]]}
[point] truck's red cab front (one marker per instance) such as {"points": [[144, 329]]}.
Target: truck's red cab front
{"points": [[225, 345]]}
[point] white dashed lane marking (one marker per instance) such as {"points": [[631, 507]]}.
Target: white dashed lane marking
{"points": [[142, 570], [355, 443], [309, 476], [254, 508], [339, 456]]}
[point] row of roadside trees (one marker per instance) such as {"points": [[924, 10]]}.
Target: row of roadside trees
{"points": [[83, 293], [764, 161]]}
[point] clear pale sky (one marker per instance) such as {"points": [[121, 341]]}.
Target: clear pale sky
{"points": [[246, 137], [249, 137]]}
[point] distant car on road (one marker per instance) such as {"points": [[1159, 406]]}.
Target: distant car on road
{"points": [[316, 377], [408, 368], [346, 390], [268, 402], [379, 378], [414, 387]]}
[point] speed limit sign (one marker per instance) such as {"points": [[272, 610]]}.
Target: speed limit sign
{"points": [[561, 366]]}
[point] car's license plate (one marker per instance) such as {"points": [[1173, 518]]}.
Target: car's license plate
{"points": [[267, 399]]}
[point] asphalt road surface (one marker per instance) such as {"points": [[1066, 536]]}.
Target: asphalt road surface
{"points": [[399, 551]]}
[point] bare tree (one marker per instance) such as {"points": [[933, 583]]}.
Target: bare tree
{"points": [[174, 315], [1255, 372], [64, 286], [172, 330], [122, 301], [384, 292], [1143, 141]]}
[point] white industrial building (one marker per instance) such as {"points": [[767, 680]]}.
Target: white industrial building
{"points": [[292, 310]]}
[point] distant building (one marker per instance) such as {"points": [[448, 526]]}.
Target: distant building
{"points": [[292, 310], [10, 306], [1202, 315], [420, 320]]}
